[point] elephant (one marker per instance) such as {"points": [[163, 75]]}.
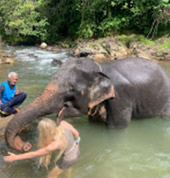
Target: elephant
{"points": [[112, 92]]}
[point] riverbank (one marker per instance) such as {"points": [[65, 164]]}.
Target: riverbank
{"points": [[117, 47], [5, 58], [113, 48], [108, 48]]}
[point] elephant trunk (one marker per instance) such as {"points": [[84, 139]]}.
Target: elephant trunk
{"points": [[46, 103]]}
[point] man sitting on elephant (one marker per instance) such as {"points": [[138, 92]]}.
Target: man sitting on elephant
{"points": [[10, 97]]}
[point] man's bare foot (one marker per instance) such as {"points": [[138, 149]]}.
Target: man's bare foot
{"points": [[17, 110]]}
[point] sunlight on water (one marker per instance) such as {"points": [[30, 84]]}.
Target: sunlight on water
{"points": [[140, 151]]}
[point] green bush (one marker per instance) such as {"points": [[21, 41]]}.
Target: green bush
{"points": [[21, 22], [24, 21]]}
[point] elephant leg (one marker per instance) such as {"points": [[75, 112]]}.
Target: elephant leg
{"points": [[118, 116], [166, 111]]}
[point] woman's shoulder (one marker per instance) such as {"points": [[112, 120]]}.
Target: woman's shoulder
{"points": [[65, 124]]}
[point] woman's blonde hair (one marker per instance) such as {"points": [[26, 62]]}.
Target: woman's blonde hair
{"points": [[49, 132]]}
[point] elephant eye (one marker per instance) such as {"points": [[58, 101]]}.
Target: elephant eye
{"points": [[71, 89], [69, 96]]}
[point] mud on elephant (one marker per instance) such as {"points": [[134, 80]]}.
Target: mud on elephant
{"points": [[113, 92]]}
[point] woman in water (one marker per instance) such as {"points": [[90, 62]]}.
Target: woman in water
{"points": [[64, 138]]}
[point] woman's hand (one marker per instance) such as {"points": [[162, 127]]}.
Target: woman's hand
{"points": [[10, 158]]}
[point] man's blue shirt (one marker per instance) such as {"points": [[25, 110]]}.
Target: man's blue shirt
{"points": [[8, 92]]}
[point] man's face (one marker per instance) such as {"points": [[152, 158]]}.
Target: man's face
{"points": [[13, 80]]}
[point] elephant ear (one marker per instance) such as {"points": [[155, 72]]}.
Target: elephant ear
{"points": [[101, 90]]}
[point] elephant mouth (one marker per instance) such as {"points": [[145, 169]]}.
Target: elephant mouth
{"points": [[67, 111], [98, 113]]}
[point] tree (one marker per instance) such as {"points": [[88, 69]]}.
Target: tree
{"points": [[21, 21]]}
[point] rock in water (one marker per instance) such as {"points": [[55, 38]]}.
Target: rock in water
{"points": [[43, 45]]}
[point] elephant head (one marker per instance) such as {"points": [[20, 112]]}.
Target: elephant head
{"points": [[78, 86]]}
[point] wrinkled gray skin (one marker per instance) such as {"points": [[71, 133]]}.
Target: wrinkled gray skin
{"points": [[141, 88]]}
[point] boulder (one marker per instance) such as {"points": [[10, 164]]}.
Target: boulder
{"points": [[6, 58], [99, 58], [56, 62], [8, 61], [43, 45]]}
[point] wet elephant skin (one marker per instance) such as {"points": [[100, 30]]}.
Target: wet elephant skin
{"points": [[113, 92]]}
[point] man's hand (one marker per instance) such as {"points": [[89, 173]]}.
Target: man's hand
{"points": [[17, 92], [1, 102]]}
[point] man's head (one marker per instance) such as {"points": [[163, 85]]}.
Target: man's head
{"points": [[12, 78]]}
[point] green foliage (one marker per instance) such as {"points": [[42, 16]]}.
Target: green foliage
{"points": [[161, 20], [166, 44], [51, 20], [110, 25], [87, 30], [63, 18], [68, 44], [128, 39], [22, 21], [113, 16]]}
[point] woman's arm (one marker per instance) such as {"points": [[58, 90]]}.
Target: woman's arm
{"points": [[70, 127], [43, 151]]}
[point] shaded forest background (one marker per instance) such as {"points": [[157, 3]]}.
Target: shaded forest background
{"points": [[34, 21]]}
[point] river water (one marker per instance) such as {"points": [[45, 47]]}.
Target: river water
{"points": [[140, 151]]}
